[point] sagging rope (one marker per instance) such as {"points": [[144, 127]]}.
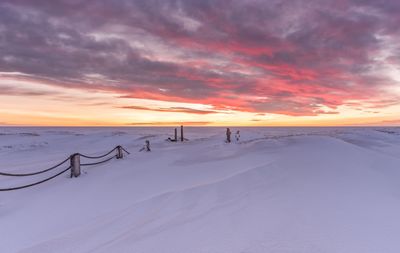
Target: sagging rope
{"points": [[33, 173], [39, 182], [124, 150], [106, 160], [61, 163], [98, 157], [49, 178]]}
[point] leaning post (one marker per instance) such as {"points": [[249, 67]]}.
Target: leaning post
{"points": [[75, 161]]}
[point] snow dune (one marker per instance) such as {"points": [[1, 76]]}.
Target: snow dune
{"points": [[276, 190]]}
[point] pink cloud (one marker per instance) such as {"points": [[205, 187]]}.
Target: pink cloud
{"points": [[262, 57]]}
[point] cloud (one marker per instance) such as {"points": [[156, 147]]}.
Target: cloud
{"points": [[286, 57], [170, 109], [17, 91], [171, 123], [391, 122]]}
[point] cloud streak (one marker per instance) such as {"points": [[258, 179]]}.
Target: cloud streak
{"points": [[170, 109], [16, 91], [170, 123]]}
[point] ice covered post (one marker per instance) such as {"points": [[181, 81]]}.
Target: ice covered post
{"points": [[146, 146], [237, 135], [75, 161], [120, 154], [182, 134]]}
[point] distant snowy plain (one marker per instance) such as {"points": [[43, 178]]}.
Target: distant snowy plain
{"points": [[283, 190]]}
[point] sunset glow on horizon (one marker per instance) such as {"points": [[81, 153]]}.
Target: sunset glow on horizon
{"points": [[200, 63]]}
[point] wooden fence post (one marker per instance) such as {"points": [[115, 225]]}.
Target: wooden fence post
{"points": [[182, 133], [75, 160], [176, 134], [228, 135], [120, 154]]}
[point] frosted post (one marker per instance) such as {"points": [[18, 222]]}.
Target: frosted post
{"points": [[120, 154], [75, 165]]}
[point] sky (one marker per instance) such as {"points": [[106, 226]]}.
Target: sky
{"points": [[199, 62]]}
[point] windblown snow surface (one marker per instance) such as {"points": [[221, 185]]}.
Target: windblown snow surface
{"points": [[276, 190]]}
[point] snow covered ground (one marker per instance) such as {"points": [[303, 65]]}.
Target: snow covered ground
{"points": [[276, 190]]}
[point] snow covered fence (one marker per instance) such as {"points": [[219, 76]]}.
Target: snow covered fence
{"points": [[75, 167]]}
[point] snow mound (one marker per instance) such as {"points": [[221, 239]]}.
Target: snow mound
{"points": [[276, 190]]}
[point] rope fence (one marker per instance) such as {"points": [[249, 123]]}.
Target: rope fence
{"points": [[106, 160], [33, 184], [34, 173], [98, 157], [74, 167]]}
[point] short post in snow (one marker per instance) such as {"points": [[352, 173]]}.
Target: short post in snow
{"points": [[75, 161], [175, 139], [237, 135], [228, 135], [146, 147], [120, 154], [182, 138]]}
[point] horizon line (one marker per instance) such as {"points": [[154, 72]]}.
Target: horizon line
{"points": [[204, 126]]}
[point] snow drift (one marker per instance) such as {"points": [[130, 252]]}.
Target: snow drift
{"points": [[276, 190]]}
